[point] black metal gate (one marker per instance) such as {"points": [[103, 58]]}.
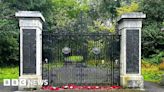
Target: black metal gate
{"points": [[81, 58]]}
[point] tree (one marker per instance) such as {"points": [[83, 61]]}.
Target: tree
{"points": [[152, 36], [9, 31], [66, 12], [9, 48], [152, 40], [153, 9], [108, 8]]}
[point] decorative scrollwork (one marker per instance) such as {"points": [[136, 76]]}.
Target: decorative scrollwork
{"points": [[66, 50], [96, 50]]}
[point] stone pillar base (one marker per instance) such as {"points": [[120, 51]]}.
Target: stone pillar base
{"points": [[132, 81], [30, 82]]}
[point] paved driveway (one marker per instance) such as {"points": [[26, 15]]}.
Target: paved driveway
{"points": [[153, 87], [81, 75], [7, 89]]}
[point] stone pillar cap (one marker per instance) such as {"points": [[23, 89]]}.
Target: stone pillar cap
{"points": [[29, 14], [132, 15]]}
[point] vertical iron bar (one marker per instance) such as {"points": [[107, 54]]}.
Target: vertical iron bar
{"points": [[112, 59], [48, 61]]}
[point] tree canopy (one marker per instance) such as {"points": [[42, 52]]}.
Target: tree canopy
{"points": [[152, 36], [91, 15]]}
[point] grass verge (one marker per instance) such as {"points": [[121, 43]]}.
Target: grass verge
{"points": [[9, 72], [151, 72]]}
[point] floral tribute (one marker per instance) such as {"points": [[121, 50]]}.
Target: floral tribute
{"points": [[75, 87]]}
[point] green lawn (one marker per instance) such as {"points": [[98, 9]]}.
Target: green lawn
{"points": [[9, 73]]}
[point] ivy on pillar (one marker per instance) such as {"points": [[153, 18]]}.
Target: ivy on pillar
{"points": [[30, 23]]}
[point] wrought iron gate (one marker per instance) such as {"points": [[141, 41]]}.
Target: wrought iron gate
{"points": [[81, 58]]}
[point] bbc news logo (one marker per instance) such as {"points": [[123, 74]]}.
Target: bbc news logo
{"points": [[23, 82]]}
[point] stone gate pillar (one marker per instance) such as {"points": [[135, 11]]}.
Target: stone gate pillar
{"points": [[30, 23], [129, 26]]}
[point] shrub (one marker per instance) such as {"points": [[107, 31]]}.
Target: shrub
{"points": [[152, 41], [150, 71], [154, 59], [9, 72], [161, 66], [146, 64], [74, 58]]}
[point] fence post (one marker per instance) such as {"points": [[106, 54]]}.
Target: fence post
{"points": [[129, 26], [30, 23]]}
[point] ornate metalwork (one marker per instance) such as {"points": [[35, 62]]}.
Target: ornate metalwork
{"points": [[96, 50], [91, 58], [66, 50]]}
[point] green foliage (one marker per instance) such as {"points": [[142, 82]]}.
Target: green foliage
{"points": [[161, 66], [35, 5], [9, 48], [83, 14], [133, 7], [44, 6], [108, 8], [9, 31], [11, 72], [74, 58], [153, 9], [71, 7], [152, 76], [103, 27], [162, 24], [65, 12], [155, 58], [152, 40], [151, 71], [152, 36]]}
